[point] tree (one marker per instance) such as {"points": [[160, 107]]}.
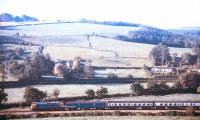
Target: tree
{"points": [[88, 70], [31, 73], [198, 90], [190, 80], [197, 53], [2, 72], [3, 96], [56, 93], [112, 76], [44, 63], [33, 95], [160, 54], [153, 88], [102, 92], [178, 85], [163, 86], [90, 93], [137, 89], [187, 59]]}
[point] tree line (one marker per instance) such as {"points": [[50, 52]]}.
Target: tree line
{"points": [[160, 55]]}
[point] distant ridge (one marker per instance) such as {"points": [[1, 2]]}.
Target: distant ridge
{"points": [[6, 17], [111, 23]]}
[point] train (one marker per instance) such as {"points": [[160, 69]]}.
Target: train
{"points": [[113, 105]]}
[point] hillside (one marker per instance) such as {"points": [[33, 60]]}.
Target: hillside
{"points": [[117, 30], [188, 31]]}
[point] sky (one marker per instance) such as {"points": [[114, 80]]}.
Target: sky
{"points": [[157, 13]]}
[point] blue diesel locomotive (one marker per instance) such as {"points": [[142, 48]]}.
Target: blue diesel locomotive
{"points": [[114, 105], [47, 106]]}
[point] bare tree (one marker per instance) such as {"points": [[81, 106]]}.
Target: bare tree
{"points": [[56, 93], [90, 93], [160, 54], [3, 72], [33, 95], [102, 92]]}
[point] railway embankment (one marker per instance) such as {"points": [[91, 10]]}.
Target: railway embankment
{"points": [[19, 114]]}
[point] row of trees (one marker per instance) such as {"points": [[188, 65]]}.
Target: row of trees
{"points": [[34, 95], [160, 55], [31, 69], [189, 81], [153, 88], [101, 92]]}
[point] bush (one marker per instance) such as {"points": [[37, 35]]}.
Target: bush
{"points": [[130, 76], [137, 89]]}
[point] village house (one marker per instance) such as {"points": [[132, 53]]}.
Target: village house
{"points": [[157, 70]]}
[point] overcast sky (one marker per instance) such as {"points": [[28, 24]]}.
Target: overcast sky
{"points": [[158, 13]]}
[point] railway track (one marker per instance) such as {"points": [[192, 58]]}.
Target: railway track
{"points": [[28, 111]]}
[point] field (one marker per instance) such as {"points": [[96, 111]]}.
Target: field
{"points": [[16, 94], [120, 118], [69, 40], [68, 29]]}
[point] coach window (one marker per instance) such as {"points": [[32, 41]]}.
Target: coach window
{"points": [[161, 104], [128, 104], [144, 104], [165, 104], [170, 104], [139, 104], [124, 104], [148, 104], [131, 104]]}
